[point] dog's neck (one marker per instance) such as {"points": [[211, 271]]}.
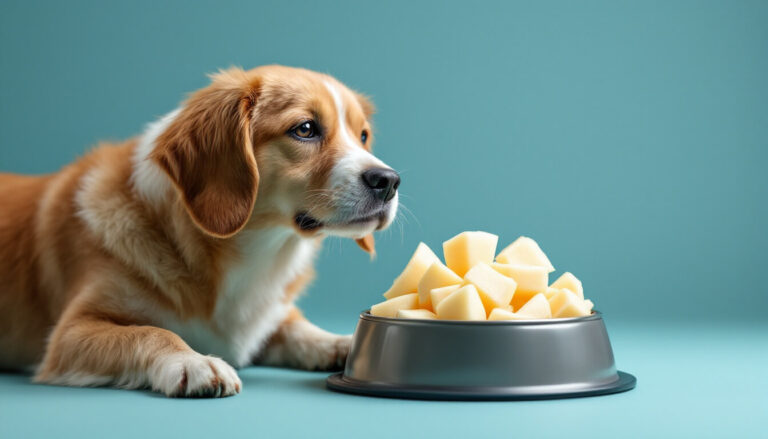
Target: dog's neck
{"points": [[263, 257], [254, 268], [149, 181]]}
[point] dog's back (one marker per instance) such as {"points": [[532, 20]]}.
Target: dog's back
{"points": [[20, 293], [45, 248]]}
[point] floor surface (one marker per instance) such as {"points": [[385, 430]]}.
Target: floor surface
{"points": [[694, 381]]}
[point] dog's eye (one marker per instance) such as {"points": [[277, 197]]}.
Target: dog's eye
{"points": [[364, 136], [305, 130]]}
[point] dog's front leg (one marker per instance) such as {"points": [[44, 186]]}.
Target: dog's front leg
{"points": [[87, 348], [300, 344]]}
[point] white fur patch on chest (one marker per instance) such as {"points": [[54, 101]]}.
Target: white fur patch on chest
{"points": [[251, 300]]}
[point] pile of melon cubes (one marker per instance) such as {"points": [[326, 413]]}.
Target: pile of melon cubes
{"points": [[473, 285]]}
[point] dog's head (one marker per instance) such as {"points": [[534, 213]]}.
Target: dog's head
{"points": [[278, 145]]}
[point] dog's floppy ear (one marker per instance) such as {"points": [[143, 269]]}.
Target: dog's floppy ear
{"points": [[208, 153], [368, 244]]}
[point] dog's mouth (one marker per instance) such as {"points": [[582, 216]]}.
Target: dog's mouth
{"points": [[307, 223]]}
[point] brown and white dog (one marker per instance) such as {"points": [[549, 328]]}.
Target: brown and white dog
{"points": [[164, 261]]}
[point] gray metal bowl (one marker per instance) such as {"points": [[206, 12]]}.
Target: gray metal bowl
{"points": [[497, 360]]}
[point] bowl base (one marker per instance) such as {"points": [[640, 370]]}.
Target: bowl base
{"points": [[338, 382]]}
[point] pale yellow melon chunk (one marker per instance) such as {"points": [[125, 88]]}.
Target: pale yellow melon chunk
{"points": [[550, 292], [567, 304], [496, 290], [462, 304], [521, 299], [525, 251], [436, 276], [408, 280], [530, 279], [467, 249], [423, 314], [506, 314], [536, 308], [389, 308], [571, 282], [588, 305], [438, 294]]}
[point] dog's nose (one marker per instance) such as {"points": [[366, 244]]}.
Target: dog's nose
{"points": [[382, 181]]}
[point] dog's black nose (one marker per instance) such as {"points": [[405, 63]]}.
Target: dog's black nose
{"points": [[382, 181]]}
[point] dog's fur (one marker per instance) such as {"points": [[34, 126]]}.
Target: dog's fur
{"points": [[164, 261]]}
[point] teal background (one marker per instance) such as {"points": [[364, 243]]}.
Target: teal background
{"points": [[630, 139]]}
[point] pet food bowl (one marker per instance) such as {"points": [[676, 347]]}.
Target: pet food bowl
{"points": [[466, 360]]}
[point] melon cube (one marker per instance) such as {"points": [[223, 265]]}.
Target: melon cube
{"points": [[504, 314], [536, 308], [588, 305], [467, 249], [436, 276], [438, 294], [525, 251], [571, 282], [422, 314], [550, 292], [521, 299], [567, 304], [389, 308], [495, 289], [530, 279], [408, 280], [462, 304]]}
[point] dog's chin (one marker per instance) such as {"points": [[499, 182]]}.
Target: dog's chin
{"points": [[355, 228], [352, 230]]}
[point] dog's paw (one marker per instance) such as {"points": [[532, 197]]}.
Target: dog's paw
{"points": [[312, 350], [329, 354], [189, 374]]}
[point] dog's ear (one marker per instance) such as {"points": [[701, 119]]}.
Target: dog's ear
{"points": [[208, 153], [368, 244]]}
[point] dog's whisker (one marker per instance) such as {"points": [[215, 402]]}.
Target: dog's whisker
{"points": [[408, 211]]}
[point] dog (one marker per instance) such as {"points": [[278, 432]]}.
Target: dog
{"points": [[169, 260]]}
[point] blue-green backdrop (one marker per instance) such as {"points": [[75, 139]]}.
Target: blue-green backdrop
{"points": [[629, 139]]}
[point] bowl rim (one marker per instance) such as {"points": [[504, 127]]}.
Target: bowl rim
{"points": [[366, 315]]}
